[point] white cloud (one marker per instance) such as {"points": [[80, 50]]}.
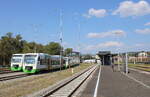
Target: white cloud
{"points": [[139, 45], [111, 44], [107, 34], [129, 8], [147, 24], [143, 31], [104, 45], [95, 12]]}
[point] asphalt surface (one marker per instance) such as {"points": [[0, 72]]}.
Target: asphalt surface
{"points": [[115, 84], [141, 76], [90, 88]]}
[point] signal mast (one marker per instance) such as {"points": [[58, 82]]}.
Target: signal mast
{"points": [[61, 37]]}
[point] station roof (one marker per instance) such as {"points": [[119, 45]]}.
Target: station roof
{"points": [[102, 53]]}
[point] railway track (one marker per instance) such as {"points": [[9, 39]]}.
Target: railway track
{"points": [[9, 77], [67, 89], [5, 70]]}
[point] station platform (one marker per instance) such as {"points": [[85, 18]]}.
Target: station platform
{"points": [[114, 84]]}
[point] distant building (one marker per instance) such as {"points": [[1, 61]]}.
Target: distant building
{"points": [[117, 58], [142, 54], [138, 54], [139, 57]]}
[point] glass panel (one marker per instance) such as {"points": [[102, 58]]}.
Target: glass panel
{"points": [[17, 55], [16, 60], [30, 59]]}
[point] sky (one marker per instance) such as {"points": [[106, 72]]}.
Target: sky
{"points": [[88, 26]]}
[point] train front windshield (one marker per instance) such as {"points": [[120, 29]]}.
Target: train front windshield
{"points": [[16, 59], [30, 59]]}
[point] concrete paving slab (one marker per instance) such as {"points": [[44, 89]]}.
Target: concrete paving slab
{"points": [[115, 84]]}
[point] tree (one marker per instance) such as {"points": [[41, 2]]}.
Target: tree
{"points": [[17, 44], [8, 46], [28, 47], [53, 48], [87, 56], [68, 51]]}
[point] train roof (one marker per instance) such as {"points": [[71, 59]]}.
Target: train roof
{"points": [[36, 54], [18, 54], [43, 54]]}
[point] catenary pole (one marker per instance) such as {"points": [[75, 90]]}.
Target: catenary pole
{"points": [[61, 37]]}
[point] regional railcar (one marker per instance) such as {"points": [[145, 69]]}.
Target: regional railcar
{"points": [[71, 61], [17, 62], [35, 62]]}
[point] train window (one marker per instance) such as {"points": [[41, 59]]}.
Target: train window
{"points": [[49, 61], [54, 62], [45, 61], [64, 61], [17, 55], [38, 58], [41, 61]]}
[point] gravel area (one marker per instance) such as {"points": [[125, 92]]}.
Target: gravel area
{"points": [[11, 74], [28, 85]]}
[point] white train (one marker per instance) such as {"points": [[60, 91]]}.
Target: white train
{"points": [[70, 61], [34, 62], [17, 62]]}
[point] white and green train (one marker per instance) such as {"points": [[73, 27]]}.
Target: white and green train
{"points": [[17, 62], [35, 62]]}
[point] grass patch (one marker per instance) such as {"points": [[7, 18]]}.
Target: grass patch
{"points": [[140, 65], [144, 67], [29, 85]]}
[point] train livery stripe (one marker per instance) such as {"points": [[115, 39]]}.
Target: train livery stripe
{"points": [[16, 69], [30, 71]]}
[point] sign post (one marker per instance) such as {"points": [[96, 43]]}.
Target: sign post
{"points": [[118, 62], [126, 63]]}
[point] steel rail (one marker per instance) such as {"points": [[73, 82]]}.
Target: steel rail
{"points": [[68, 82], [12, 77]]}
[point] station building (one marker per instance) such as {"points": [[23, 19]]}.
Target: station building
{"points": [[105, 57]]}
